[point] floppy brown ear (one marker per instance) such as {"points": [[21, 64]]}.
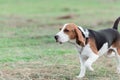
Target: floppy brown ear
{"points": [[79, 37]]}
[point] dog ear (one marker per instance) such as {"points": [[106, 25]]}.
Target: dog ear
{"points": [[79, 37]]}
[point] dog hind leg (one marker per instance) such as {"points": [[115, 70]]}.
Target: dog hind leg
{"points": [[118, 59], [90, 61]]}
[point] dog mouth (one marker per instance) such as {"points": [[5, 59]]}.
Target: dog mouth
{"points": [[58, 41]]}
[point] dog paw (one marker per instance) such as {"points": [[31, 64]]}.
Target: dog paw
{"points": [[80, 76], [91, 69], [118, 71]]}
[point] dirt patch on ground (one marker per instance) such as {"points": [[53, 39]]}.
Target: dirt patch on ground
{"points": [[69, 16]]}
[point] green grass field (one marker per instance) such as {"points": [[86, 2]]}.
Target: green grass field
{"points": [[27, 46]]}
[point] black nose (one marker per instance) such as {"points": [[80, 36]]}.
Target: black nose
{"points": [[56, 37]]}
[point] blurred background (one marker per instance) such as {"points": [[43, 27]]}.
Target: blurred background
{"points": [[28, 50]]}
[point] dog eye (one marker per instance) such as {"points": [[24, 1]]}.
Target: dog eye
{"points": [[66, 30]]}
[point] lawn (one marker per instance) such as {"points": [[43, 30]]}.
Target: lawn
{"points": [[27, 46]]}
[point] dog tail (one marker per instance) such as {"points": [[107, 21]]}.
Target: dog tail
{"points": [[115, 26]]}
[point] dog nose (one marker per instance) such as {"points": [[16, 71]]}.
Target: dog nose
{"points": [[56, 37]]}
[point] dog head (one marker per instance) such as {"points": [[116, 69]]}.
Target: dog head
{"points": [[70, 32]]}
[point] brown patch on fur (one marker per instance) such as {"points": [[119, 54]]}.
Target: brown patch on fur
{"points": [[74, 33], [69, 30], [91, 41], [117, 46]]}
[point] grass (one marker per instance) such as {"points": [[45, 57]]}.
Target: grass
{"points": [[27, 46]]}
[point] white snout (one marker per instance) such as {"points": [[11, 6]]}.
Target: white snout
{"points": [[62, 37]]}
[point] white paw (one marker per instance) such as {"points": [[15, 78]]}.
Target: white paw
{"points": [[118, 70], [91, 69], [80, 76], [110, 55]]}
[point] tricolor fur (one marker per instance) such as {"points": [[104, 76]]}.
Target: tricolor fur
{"points": [[91, 44]]}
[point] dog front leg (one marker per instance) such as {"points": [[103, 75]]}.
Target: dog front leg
{"points": [[82, 68]]}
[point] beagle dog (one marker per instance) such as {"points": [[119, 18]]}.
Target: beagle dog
{"points": [[91, 44]]}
